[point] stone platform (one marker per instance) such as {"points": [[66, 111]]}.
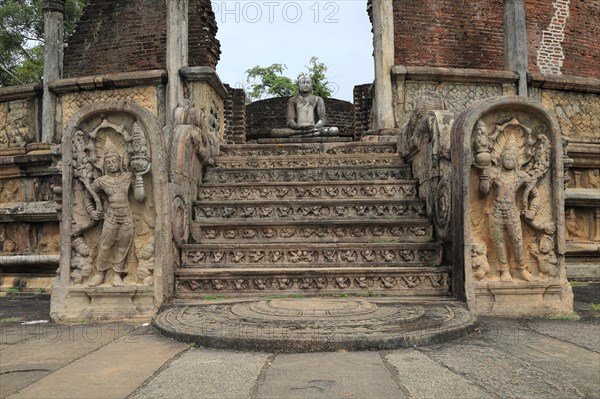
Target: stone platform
{"points": [[293, 325]]}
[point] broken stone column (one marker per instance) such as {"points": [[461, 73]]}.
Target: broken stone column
{"points": [[383, 44], [508, 208], [177, 51], [515, 41], [53, 62]]}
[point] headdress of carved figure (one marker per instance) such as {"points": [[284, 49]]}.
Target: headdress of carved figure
{"points": [[110, 152]]}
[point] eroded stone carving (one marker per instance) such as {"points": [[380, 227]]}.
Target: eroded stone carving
{"points": [[512, 159], [305, 114], [508, 208], [110, 159], [16, 124]]}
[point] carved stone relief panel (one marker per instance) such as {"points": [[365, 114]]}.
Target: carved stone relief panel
{"points": [[580, 224], [583, 178], [11, 190], [578, 113], [509, 208], [144, 96], [456, 96], [29, 238], [17, 124], [113, 215]]}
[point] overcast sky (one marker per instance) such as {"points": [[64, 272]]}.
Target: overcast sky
{"points": [[290, 32]]}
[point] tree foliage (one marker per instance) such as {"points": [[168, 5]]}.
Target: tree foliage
{"points": [[267, 82], [22, 38]]}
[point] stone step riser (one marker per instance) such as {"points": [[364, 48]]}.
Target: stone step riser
{"points": [[300, 212], [316, 233], [229, 176], [303, 162], [312, 255], [306, 150], [401, 282], [362, 190]]}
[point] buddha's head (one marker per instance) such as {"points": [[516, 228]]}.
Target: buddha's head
{"points": [[305, 84]]}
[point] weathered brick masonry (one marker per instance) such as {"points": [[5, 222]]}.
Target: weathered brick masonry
{"points": [[449, 33], [235, 116], [127, 35], [563, 35]]}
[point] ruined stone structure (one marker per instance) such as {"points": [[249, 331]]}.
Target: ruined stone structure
{"points": [[477, 177]]}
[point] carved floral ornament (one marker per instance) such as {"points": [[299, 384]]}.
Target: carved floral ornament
{"points": [[514, 230], [112, 226]]}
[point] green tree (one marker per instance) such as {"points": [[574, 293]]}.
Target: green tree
{"points": [[266, 82], [22, 38]]}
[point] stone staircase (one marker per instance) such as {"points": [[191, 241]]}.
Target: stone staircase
{"points": [[310, 219]]}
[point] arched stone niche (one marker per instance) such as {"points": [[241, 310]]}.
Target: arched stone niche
{"points": [[115, 222], [508, 209]]}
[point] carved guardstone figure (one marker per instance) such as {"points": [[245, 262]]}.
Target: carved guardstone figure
{"points": [[305, 114], [504, 217], [117, 229]]}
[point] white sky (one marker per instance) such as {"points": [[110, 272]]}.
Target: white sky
{"points": [[290, 32]]}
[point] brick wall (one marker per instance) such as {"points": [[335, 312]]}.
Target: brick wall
{"points": [[564, 37], [449, 33], [235, 116], [265, 115], [362, 107], [130, 35]]}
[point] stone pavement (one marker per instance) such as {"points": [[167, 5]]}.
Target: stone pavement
{"points": [[535, 358]]}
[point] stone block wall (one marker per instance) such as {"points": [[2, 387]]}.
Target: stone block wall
{"points": [[29, 229], [265, 115], [125, 36], [578, 112], [235, 116]]}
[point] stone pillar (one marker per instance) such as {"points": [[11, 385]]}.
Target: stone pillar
{"points": [[53, 62], [596, 235], [515, 41], [177, 52], [383, 43]]}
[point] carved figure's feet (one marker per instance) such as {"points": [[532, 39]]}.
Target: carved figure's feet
{"points": [[117, 281], [96, 280], [505, 276], [525, 275]]}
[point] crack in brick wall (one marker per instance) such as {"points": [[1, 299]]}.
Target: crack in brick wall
{"points": [[550, 55]]}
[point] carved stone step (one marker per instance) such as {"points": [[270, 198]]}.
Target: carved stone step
{"points": [[309, 210], [311, 255], [417, 230], [305, 149], [220, 175], [426, 281], [329, 191], [312, 161]]}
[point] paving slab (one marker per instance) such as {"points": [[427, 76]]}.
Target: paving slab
{"points": [[206, 373], [504, 374], [12, 333], [328, 375], [561, 361], [41, 349], [415, 371], [113, 371], [583, 333]]}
